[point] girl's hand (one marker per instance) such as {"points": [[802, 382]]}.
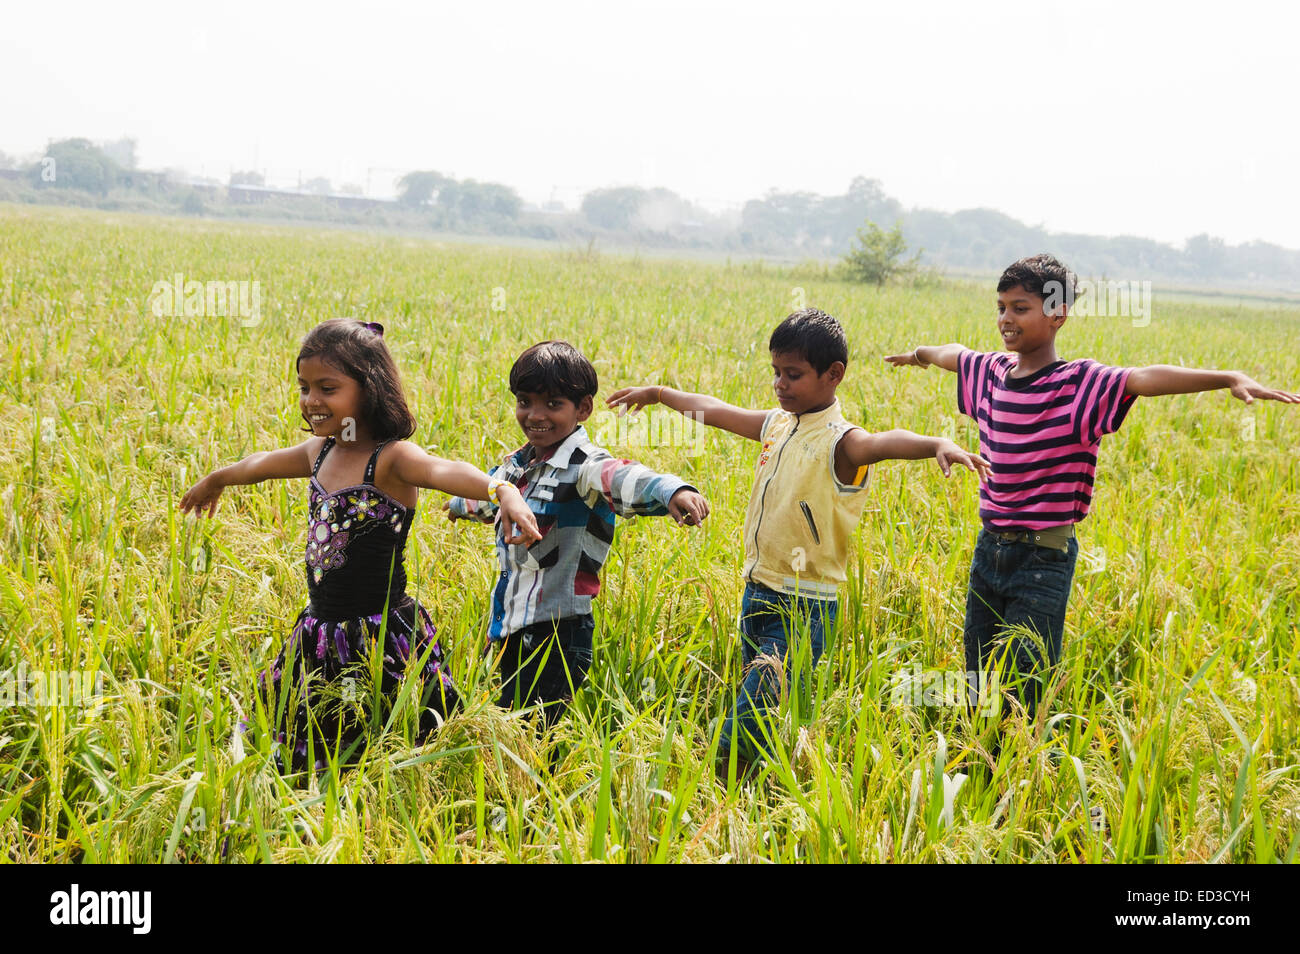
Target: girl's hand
{"points": [[517, 521], [1246, 388], [204, 494], [688, 508], [633, 399], [446, 505], [949, 454]]}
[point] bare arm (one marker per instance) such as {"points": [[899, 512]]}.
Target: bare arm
{"points": [[413, 465], [701, 407], [943, 356], [418, 468], [255, 468], [857, 449], [1160, 379]]}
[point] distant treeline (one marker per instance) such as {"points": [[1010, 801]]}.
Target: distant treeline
{"points": [[785, 225]]}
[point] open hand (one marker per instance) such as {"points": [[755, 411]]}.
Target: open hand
{"points": [[688, 507], [203, 495], [1248, 389], [950, 454], [633, 399], [904, 360]]}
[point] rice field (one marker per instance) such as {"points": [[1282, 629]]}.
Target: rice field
{"points": [[1173, 734]]}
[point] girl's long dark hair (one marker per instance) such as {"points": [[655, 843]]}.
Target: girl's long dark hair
{"points": [[360, 353]]}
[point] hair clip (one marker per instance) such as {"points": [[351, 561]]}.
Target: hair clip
{"points": [[375, 326]]}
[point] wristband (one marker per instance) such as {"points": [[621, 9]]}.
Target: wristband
{"points": [[920, 362], [494, 484]]}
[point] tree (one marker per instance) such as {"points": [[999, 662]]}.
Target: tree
{"points": [[419, 188], [473, 202], [1207, 255], [780, 220], [877, 256], [122, 152], [839, 216], [613, 209], [247, 178], [75, 164], [318, 186], [662, 210]]}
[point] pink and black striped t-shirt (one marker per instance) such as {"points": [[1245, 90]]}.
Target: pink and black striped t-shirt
{"points": [[1041, 433]]}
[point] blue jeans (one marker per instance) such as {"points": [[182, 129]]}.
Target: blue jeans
{"points": [[777, 633], [1017, 584]]}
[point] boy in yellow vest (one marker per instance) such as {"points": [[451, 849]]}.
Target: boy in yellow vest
{"points": [[807, 498]]}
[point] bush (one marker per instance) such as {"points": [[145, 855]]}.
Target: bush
{"points": [[877, 255]]}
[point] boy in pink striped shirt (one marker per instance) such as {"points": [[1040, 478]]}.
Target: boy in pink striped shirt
{"points": [[1041, 421]]}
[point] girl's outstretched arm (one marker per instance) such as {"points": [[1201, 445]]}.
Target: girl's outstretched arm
{"points": [[264, 465], [705, 409], [421, 469]]}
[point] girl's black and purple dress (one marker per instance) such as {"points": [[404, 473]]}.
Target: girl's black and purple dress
{"points": [[320, 686]]}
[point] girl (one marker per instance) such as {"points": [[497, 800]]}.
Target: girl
{"points": [[364, 482]]}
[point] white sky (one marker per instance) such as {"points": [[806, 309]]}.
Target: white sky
{"points": [[1162, 120]]}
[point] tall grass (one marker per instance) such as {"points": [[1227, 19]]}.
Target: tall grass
{"points": [[1171, 734]]}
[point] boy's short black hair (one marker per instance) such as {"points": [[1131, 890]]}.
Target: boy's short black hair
{"points": [[1041, 275], [556, 369], [813, 335]]}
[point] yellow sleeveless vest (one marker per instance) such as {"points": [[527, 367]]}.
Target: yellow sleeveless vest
{"points": [[800, 516]]}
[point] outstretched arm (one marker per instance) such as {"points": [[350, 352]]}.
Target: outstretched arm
{"points": [[420, 469], [943, 356], [253, 469], [705, 409], [632, 489], [857, 449], [1159, 379]]}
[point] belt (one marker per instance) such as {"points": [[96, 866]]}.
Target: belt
{"points": [[1054, 538]]}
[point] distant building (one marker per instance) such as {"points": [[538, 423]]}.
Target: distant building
{"points": [[149, 181], [255, 195]]}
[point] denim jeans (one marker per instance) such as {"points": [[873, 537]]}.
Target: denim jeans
{"points": [[1017, 584], [777, 633]]}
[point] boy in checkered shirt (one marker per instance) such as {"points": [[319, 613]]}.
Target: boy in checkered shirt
{"points": [[541, 604]]}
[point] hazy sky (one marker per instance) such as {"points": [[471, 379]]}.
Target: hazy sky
{"points": [[1163, 120]]}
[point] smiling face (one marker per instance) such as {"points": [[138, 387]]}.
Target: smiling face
{"points": [[328, 398], [799, 388], [546, 419], [1024, 326]]}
